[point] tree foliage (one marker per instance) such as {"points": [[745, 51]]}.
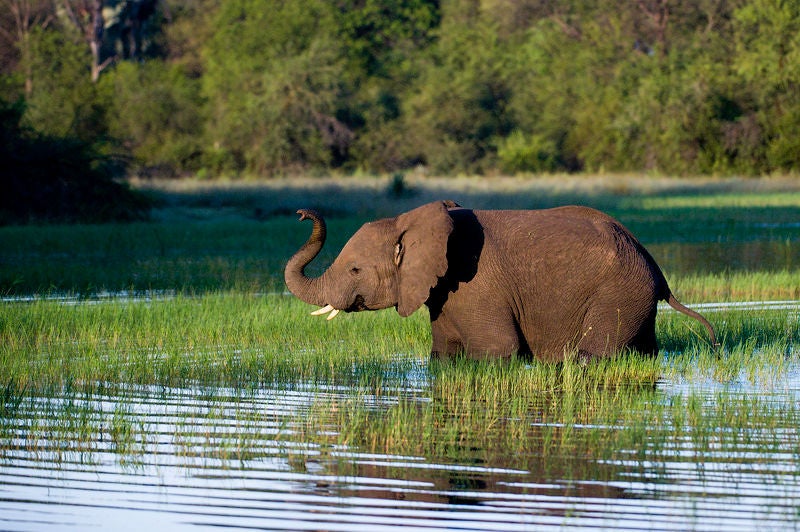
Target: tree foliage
{"points": [[51, 178], [265, 87], [272, 78]]}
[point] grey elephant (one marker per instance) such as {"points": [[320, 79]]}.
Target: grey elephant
{"points": [[543, 283]]}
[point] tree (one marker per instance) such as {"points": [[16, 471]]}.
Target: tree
{"points": [[272, 79], [457, 108], [18, 20], [381, 42], [155, 111], [62, 179], [380, 34], [63, 101], [87, 17], [103, 24], [768, 59]]}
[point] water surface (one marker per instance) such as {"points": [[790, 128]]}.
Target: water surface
{"points": [[183, 458], [682, 258]]}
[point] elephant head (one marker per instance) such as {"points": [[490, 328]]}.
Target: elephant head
{"points": [[389, 262]]}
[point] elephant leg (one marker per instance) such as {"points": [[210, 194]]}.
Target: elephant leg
{"points": [[445, 345], [475, 338], [645, 340], [444, 339], [607, 331], [503, 347]]}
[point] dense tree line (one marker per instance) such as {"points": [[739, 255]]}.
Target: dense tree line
{"points": [[46, 178], [266, 87]]}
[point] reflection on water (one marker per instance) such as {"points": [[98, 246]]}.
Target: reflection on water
{"points": [[184, 458], [679, 258]]}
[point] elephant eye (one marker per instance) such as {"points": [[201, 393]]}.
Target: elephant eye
{"points": [[355, 270]]}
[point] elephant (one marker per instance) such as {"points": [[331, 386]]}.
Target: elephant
{"points": [[546, 284]]}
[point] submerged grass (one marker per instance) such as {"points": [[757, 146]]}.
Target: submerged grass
{"points": [[388, 398], [560, 432]]}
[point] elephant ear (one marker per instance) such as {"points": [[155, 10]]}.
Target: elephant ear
{"points": [[421, 253]]}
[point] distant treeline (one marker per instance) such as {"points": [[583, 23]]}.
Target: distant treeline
{"points": [[269, 87]]}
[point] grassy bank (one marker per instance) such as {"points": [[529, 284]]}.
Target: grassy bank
{"points": [[237, 236]]}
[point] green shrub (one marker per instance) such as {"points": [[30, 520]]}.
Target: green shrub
{"points": [[156, 112], [64, 179], [520, 152]]}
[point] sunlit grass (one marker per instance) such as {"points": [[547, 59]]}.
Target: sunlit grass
{"points": [[210, 236], [228, 339], [738, 286], [717, 200], [243, 340]]}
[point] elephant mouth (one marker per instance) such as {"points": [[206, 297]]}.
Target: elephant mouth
{"points": [[358, 305]]}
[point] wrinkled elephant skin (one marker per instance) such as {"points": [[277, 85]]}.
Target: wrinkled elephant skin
{"points": [[543, 283]]}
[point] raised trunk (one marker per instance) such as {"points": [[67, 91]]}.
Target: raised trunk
{"points": [[304, 287]]}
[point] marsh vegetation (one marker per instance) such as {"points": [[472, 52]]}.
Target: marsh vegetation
{"points": [[158, 367]]}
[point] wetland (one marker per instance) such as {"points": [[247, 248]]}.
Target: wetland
{"points": [[155, 374]]}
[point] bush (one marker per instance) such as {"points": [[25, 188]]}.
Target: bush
{"points": [[58, 179], [527, 153], [154, 111]]}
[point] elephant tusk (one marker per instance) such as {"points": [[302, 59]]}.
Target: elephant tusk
{"points": [[325, 310]]}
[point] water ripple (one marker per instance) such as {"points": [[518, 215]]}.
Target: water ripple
{"points": [[195, 460]]}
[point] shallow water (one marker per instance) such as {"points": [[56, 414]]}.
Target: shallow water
{"points": [[685, 258], [169, 459]]}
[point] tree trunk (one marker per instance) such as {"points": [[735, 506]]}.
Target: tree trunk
{"points": [[87, 16], [96, 38]]}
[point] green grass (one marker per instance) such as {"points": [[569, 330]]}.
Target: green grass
{"points": [[208, 237], [241, 340], [738, 286], [224, 339]]}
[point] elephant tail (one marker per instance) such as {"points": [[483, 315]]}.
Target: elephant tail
{"points": [[680, 307]]}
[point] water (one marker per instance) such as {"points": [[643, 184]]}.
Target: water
{"points": [[682, 258], [177, 458], [151, 458]]}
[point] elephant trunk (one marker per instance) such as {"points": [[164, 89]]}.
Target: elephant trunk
{"points": [[308, 289]]}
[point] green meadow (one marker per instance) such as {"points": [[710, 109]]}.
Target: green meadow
{"points": [[194, 299], [732, 239]]}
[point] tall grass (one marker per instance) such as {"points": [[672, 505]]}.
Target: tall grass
{"points": [[545, 430], [389, 398], [236, 339], [230, 339]]}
